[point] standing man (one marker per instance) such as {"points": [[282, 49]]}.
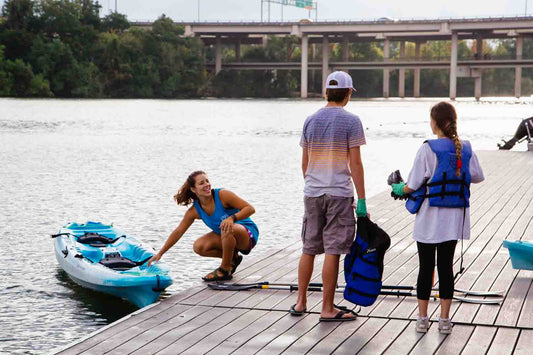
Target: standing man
{"points": [[331, 164]]}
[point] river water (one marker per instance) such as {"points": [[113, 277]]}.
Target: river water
{"points": [[121, 161]]}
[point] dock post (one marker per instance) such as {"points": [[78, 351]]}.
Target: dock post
{"points": [[518, 69], [416, 76], [345, 49], [325, 62], [453, 67], [386, 72], [401, 74], [303, 78]]}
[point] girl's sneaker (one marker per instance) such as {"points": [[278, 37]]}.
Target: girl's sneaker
{"points": [[422, 324], [445, 326]]}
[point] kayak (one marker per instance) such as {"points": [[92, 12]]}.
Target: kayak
{"points": [[103, 258], [521, 253]]}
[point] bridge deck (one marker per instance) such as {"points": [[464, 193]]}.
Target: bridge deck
{"points": [[200, 320]]}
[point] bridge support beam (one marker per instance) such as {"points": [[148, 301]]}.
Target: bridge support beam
{"points": [[477, 78], [303, 78], [453, 67], [518, 70], [238, 50], [345, 48], [401, 74], [218, 55], [386, 72], [325, 62], [416, 76]]}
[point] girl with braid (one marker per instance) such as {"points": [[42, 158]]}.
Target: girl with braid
{"points": [[441, 177]]}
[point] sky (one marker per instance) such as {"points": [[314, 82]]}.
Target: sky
{"points": [[250, 10]]}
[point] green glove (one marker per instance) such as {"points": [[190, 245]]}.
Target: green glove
{"points": [[397, 189], [361, 208]]}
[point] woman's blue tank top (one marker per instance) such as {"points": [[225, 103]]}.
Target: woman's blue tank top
{"points": [[221, 213]]}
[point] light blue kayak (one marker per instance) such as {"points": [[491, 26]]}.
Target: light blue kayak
{"points": [[521, 253], [103, 258]]}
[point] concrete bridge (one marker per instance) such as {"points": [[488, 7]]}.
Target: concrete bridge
{"points": [[403, 31]]}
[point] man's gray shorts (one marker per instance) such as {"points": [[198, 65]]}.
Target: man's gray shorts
{"points": [[328, 225]]}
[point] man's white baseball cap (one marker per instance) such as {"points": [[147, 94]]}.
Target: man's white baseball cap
{"points": [[339, 80]]}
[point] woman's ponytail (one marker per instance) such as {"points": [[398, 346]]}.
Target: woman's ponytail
{"points": [[185, 196], [446, 119]]}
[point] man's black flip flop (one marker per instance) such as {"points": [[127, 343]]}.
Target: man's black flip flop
{"points": [[338, 318], [296, 313]]}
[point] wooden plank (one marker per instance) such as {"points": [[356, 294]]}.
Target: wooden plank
{"points": [[272, 332], [504, 341], [284, 340], [134, 338], [511, 307], [384, 337], [307, 341], [357, 340], [337, 337], [116, 328], [480, 341], [199, 333], [430, 342], [211, 341], [173, 334], [524, 343], [406, 341], [242, 337], [456, 341]]}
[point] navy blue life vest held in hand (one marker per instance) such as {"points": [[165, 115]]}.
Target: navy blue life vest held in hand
{"points": [[363, 266], [445, 189]]}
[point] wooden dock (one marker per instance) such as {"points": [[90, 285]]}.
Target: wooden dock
{"points": [[200, 320]]}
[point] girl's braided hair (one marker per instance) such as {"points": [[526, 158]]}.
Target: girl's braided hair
{"points": [[446, 119]]}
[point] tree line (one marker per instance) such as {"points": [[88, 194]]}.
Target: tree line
{"points": [[64, 48]]}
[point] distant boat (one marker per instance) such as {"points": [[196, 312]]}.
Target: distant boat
{"points": [[102, 258], [521, 253]]}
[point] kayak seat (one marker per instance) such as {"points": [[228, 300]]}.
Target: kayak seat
{"points": [[96, 240], [116, 262]]}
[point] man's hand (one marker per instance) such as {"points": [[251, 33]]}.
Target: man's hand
{"points": [[154, 259]]}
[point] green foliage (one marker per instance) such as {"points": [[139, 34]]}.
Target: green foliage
{"points": [[63, 48], [115, 22]]}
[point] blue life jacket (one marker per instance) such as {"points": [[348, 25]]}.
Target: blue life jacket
{"points": [[445, 189], [363, 266]]}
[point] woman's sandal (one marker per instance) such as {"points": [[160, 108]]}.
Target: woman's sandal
{"points": [[226, 275], [237, 258]]}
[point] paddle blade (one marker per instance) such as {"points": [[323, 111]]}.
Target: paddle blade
{"points": [[233, 287]]}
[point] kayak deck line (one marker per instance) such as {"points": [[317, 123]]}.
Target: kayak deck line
{"points": [[199, 319]]}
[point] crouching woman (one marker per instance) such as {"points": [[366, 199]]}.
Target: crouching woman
{"points": [[227, 215]]}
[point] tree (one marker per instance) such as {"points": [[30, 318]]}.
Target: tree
{"points": [[18, 14], [115, 22]]}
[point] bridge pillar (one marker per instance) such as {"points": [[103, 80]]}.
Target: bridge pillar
{"points": [[325, 61], [477, 86], [416, 84], [479, 47], [386, 54], [453, 67], [401, 74], [303, 79], [345, 48], [238, 50], [218, 55], [518, 70]]}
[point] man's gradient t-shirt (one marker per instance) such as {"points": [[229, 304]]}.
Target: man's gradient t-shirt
{"points": [[327, 136]]}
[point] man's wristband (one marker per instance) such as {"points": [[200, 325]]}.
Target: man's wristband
{"points": [[234, 218]]}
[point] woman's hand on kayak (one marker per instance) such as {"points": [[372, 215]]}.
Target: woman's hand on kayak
{"points": [[227, 225], [154, 259]]}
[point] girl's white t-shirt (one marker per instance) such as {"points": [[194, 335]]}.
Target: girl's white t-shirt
{"points": [[439, 224]]}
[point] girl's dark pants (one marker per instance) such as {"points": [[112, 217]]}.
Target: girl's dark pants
{"points": [[426, 257]]}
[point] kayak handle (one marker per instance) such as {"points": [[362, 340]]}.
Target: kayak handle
{"points": [[59, 235]]}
